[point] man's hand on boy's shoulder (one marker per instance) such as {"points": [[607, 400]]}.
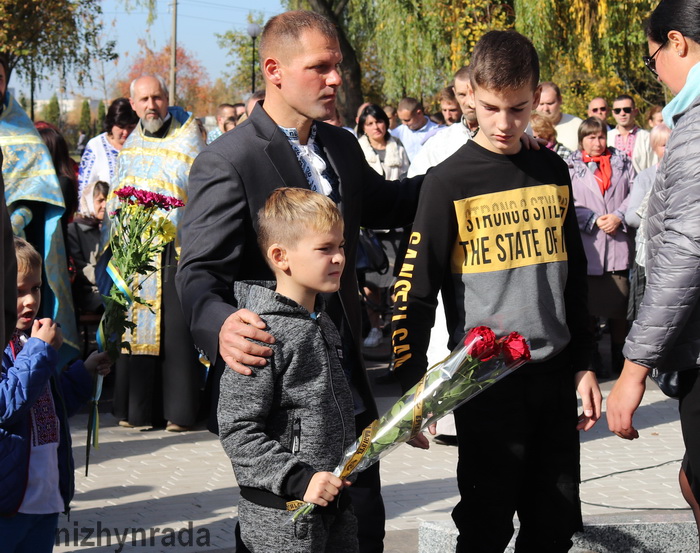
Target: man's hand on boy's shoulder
{"points": [[48, 331], [591, 399], [532, 143], [235, 346]]}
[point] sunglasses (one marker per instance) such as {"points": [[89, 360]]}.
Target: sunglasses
{"points": [[617, 111], [596, 110], [650, 62]]}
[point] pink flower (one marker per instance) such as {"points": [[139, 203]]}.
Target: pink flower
{"points": [[148, 199]]}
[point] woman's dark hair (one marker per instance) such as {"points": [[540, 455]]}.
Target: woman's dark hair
{"points": [[121, 114], [674, 15], [63, 164], [378, 113], [101, 187], [590, 126]]}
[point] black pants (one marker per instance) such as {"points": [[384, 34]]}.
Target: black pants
{"points": [[151, 389], [689, 408], [519, 452]]}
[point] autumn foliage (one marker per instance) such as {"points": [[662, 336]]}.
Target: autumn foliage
{"points": [[193, 84]]}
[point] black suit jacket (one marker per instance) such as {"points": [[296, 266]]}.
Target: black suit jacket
{"points": [[229, 183]]}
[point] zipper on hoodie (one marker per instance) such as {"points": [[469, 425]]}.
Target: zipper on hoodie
{"points": [[296, 436], [330, 380]]}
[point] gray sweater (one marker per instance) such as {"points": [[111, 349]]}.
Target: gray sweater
{"points": [[293, 417]]}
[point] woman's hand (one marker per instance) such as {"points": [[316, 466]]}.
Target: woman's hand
{"points": [[608, 223]]}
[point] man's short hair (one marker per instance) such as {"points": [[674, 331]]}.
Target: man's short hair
{"points": [[161, 82], [290, 213], [28, 259], [625, 97], [284, 31], [464, 73], [504, 60], [409, 104], [222, 107], [590, 126], [553, 86], [447, 94]]}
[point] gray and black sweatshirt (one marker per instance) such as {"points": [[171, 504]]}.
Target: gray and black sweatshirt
{"points": [[293, 417]]}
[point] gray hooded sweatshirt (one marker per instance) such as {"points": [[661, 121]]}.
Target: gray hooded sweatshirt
{"points": [[293, 417]]}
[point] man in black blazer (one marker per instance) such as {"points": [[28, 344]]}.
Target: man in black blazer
{"points": [[283, 143]]}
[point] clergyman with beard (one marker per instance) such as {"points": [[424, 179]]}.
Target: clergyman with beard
{"points": [[158, 384]]}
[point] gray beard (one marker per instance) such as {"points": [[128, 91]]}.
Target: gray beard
{"points": [[152, 125]]}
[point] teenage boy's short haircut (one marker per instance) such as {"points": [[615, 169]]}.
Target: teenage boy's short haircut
{"points": [[504, 60], [289, 213], [28, 258], [590, 126]]}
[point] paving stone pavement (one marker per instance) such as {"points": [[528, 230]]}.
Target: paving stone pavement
{"points": [[166, 492]]}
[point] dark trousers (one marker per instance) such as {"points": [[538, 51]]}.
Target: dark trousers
{"points": [[519, 453], [367, 503], [150, 389]]}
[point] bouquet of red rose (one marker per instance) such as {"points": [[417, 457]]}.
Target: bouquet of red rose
{"points": [[478, 362], [140, 231]]}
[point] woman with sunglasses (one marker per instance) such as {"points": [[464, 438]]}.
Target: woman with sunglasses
{"points": [[666, 334]]}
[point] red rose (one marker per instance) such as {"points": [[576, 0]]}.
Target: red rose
{"points": [[515, 349], [481, 342]]}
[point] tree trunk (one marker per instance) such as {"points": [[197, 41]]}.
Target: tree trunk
{"points": [[350, 94]]}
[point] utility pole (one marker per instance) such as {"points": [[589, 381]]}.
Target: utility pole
{"points": [[173, 55]]}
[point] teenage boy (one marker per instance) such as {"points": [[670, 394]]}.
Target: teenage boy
{"points": [[496, 232], [287, 425], [627, 137]]}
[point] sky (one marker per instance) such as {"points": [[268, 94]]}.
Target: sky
{"points": [[198, 23]]}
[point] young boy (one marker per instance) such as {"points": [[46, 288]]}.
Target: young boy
{"points": [[496, 231], [36, 465], [288, 424]]}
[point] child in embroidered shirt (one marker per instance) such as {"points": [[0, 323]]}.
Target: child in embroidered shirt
{"points": [[36, 466]]}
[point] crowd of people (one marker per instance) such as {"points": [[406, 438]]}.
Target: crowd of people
{"points": [[501, 210]]}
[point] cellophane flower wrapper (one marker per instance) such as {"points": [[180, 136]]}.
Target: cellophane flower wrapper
{"points": [[478, 362], [141, 231]]}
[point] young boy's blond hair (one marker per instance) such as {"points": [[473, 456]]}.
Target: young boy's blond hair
{"points": [[28, 258], [289, 213]]}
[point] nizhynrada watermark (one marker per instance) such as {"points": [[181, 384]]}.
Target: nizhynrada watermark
{"points": [[104, 536]]}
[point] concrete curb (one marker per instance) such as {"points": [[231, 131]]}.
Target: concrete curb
{"points": [[642, 532]]}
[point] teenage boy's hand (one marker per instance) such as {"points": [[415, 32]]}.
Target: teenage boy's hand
{"points": [[323, 488], [235, 346], [624, 399], [98, 363], [421, 440], [48, 331], [591, 399]]}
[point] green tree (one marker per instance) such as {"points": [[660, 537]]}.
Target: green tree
{"points": [[57, 37], [52, 111], [101, 112], [85, 123], [591, 48], [239, 48]]}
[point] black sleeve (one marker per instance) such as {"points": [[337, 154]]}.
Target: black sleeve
{"points": [[576, 290], [420, 279], [213, 238]]}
